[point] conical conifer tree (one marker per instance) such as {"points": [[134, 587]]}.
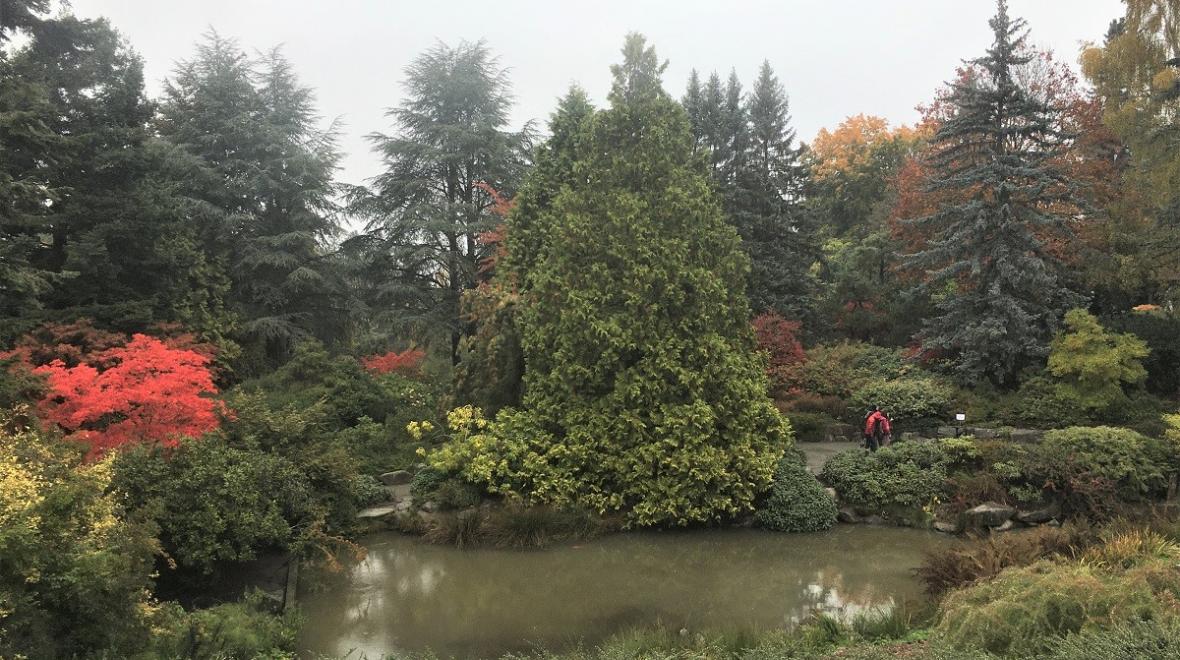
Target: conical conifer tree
{"points": [[1000, 288], [765, 204], [643, 392]]}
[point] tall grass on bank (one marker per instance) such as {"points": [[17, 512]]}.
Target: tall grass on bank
{"points": [[515, 526]]}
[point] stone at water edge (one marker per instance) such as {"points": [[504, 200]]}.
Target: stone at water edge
{"points": [[1008, 525], [847, 516], [378, 511], [874, 520], [946, 527], [1039, 516], [396, 478], [989, 514]]}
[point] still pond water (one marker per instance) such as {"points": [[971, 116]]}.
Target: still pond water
{"points": [[409, 596]]}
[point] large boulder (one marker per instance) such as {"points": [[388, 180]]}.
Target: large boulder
{"points": [[988, 514], [396, 478]]}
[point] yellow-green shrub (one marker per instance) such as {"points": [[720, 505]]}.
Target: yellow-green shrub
{"points": [[1027, 610]]}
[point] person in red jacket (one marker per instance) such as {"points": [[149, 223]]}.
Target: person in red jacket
{"points": [[876, 428]]}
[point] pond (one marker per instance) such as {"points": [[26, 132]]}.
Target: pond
{"points": [[410, 596]]}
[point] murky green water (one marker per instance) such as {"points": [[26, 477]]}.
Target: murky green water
{"points": [[412, 596]]}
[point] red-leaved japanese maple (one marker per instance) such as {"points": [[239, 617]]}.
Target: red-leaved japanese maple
{"points": [[405, 363], [148, 392]]}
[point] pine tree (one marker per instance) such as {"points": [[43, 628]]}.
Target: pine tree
{"points": [[429, 207], [1001, 290], [640, 365]]}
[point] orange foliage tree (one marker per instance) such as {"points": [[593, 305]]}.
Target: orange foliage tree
{"points": [[850, 146], [406, 363], [144, 392]]}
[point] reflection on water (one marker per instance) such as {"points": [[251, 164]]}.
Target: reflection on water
{"points": [[412, 596]]}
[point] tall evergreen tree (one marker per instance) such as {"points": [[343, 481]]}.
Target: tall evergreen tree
{"points": [[766, 204], [26, 144], [749, 145], [693, 103], [100, 216], [1001, 289], [490, 370], [264, 172], [429, 207], [640, 371]]}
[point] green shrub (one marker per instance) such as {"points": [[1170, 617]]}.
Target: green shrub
{"points": [[904, 474], [1040, 403], [1131, 463], [454, 493], [1029, 610], [75, 566], [425, 482], [797, 502], [840, 369], [923, 401], [18, 384], [515, 456], [245, 629], [343, 393], [213, 502], [332, 458]]}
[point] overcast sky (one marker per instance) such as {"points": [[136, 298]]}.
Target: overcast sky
{"points": [[836, 57]]}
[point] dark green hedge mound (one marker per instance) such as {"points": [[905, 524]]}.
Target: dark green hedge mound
{"points": [[797, 502]]}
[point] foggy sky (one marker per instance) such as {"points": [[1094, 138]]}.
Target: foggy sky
{"points": [[835, 58]]}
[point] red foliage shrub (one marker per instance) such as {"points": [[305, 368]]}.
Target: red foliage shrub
{"points": [[777, 336], [145, 391], [405, 363]]}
